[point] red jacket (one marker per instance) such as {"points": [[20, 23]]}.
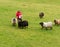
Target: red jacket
{"points": [[18, 14]]}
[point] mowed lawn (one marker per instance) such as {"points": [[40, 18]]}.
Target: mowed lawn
{"points": [[32, 36]]}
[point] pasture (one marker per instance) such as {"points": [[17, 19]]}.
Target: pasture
{"points": [[32, 36]]}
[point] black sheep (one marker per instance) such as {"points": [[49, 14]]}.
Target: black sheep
{"points": [[41, 15], [22, 24]]}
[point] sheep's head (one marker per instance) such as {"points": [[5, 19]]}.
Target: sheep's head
{"points": [[55, 21], [41, 23], [14, 19]]}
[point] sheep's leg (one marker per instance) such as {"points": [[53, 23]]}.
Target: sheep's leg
{"points": [[22, 27], [26, 26], [42, 27], [50, 27], [46, 28]]}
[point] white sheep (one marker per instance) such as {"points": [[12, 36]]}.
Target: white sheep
{"points": [[46, 25], [57, 21], [14, 21]]}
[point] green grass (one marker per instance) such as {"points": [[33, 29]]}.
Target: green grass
{"points": [[32, 36]]}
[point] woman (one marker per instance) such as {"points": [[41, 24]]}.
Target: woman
{"points": [[19, 15]]}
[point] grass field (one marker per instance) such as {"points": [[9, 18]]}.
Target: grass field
{"points": [[32, 36]]}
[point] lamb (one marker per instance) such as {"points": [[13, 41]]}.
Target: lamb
{"points": [[57, 21], [41, 15], [22, 24], [46, 25], [13, 21]]}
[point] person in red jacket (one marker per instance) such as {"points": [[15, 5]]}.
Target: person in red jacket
{"points": [[19, 15]]}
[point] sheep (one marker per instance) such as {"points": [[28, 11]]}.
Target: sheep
{"points": [[14, 21], [46, 25], [57, 21], [22, 24], [19, 22], [41, 15]]}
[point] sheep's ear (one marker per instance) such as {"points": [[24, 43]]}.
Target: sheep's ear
{"points": [[41, 22]]}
